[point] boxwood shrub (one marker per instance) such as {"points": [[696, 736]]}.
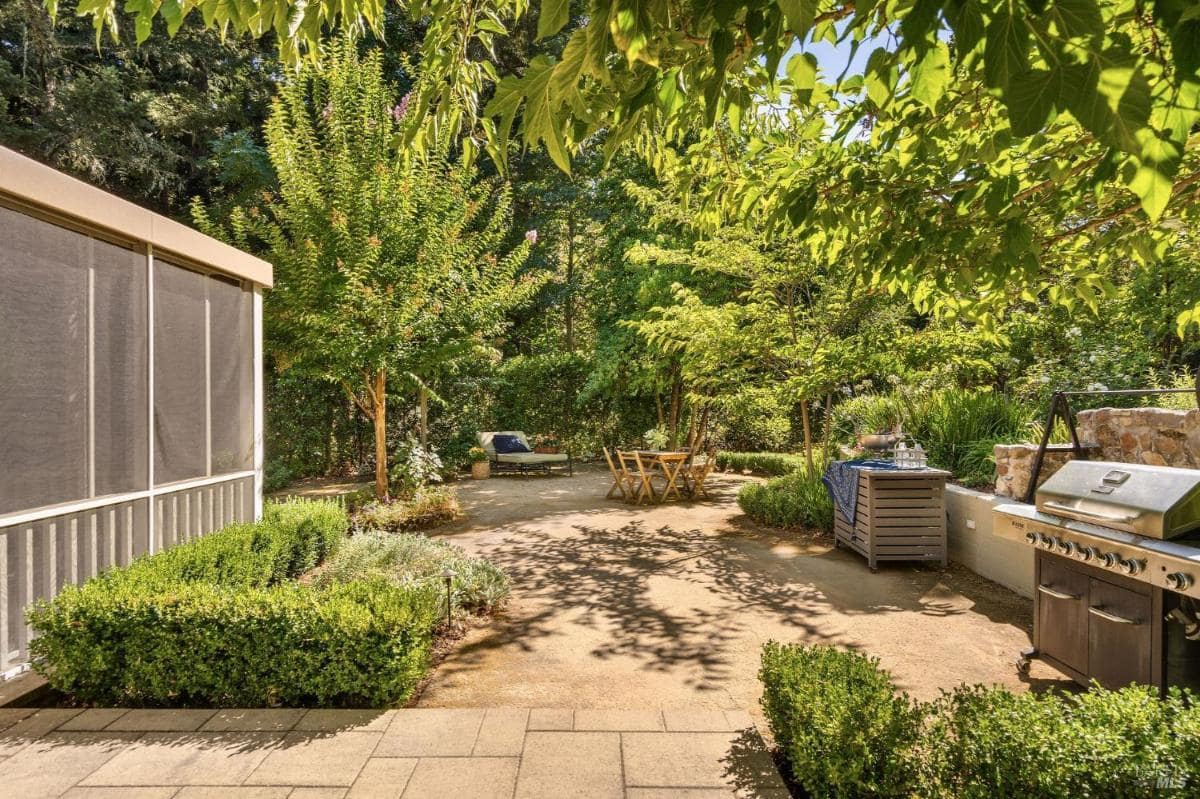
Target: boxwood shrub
{"points": [[222, 621], [845, 731], [798, 499], [768, 463], [839, 722]]}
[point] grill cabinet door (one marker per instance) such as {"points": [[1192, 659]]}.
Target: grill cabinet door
{"points": [[1119, 635], [1062, 612]]}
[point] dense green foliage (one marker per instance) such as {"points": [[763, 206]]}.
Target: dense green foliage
{"points": [[221, 621], [770, 463], [405, 559], [797, 499], [843, 728], [845, 731]]}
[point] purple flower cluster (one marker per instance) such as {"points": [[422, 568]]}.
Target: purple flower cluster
{"points": [[531, 236], [402, 108]]}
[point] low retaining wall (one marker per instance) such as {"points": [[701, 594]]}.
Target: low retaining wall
{"points": [[971, 542]]}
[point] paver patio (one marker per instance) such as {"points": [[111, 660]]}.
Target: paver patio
{"points": [[426, 753]]}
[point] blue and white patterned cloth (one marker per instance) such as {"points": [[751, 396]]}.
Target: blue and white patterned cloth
{"points": [[841, 481]]}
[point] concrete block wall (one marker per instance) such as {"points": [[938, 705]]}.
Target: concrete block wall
{"points": [[971, 542]]}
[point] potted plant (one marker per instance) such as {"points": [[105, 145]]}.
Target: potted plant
{"points": [[481, 467], [545, 445]]}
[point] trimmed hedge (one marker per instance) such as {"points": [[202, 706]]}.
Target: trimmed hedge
{"points": [[839, 721], [221, 621], [769, 463], [798, 499], [845, 731]]}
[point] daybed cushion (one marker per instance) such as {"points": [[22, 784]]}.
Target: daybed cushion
{"points": [[485, 440], [531, 457], [509, 445]]}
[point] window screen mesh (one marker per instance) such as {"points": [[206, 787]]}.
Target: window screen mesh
{"points": [[120, 382], [180, 408], [230, 366], [43, 363]]}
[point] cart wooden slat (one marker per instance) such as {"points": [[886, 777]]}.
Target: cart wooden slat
{"points": [[901, 515]]}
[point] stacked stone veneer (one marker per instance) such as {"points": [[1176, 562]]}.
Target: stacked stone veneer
{"points": [[1153, 436]]}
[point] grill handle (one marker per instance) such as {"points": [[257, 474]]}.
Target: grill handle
{"points": [[1091, 514], [1104, 614], [1048, 591]]}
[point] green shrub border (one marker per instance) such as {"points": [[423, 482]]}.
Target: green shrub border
{"points": [[221, 621], [844, 730]]}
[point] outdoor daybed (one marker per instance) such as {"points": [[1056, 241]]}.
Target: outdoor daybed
{"points": [[522, 461]]}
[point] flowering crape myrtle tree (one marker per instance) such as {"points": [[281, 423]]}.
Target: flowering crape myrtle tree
{"points": [[389, 258]]}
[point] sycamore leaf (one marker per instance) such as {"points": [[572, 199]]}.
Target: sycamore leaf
{"points": [[1032, 99], [1152, 181], [1077, 17], [931, 75], [802, 71], [1005, 52], [553, 17], [800, 15]]}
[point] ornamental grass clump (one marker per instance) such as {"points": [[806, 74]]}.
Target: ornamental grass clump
{"points": [[425, 507], [478, 586]]}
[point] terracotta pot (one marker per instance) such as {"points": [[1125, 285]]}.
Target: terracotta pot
{"points": [[481, 470], [545, 449]]}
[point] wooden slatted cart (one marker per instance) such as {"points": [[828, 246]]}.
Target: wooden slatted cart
{"points": [[901, 515]]}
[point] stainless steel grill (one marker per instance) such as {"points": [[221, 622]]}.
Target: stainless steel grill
{"points": [[1118, 560]]}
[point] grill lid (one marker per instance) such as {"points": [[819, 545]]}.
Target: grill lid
{"points": [[1154, 501]]}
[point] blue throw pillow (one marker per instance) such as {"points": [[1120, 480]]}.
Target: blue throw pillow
{"points": [[508, 445]]}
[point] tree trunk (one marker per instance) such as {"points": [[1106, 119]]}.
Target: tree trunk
{"points": [[379, 417], [825, 432], [673, 423], [569, 304], [808, 454], [423, 423]]}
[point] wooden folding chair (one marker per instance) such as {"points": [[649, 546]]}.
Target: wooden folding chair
{"points": [[619, 474], [698, 472], [640, 479]]}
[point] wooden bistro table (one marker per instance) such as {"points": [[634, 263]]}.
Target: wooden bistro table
{"points": [[671, 464]]}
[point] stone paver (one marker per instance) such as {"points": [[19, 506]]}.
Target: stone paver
{"points": [[551, 718], [502, 733], [457, 778], [167, 758], [619, 720], [124, 792], [493, 753], [254, 720], [160, 720], [698, 760], [560, 765], [383, 778], [432, 733], [92, 720], [322, 760], [52, 764]]}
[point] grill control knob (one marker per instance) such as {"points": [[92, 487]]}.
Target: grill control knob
{"points": [[1057, 544], [1070, 549], [1110, 560], [1133, 566], [1179, 581], [1088, 554], [1045, 541], [1031, 538]]}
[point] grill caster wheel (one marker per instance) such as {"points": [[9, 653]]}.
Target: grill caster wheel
{"points": [[1024, 660]]}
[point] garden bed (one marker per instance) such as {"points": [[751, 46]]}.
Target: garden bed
{"points": [[283, 612]]}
